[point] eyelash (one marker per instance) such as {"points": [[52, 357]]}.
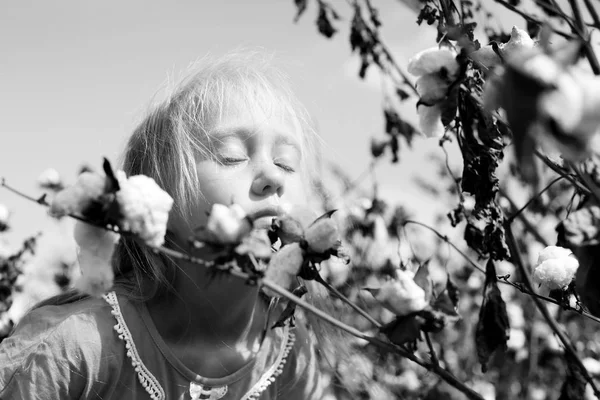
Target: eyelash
{"points": [[234, 161], [286, 168]]}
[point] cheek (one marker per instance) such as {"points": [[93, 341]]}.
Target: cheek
{"points": [[296, 191], [219, 185]]}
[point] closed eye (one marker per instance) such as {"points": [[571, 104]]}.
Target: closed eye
{"points": [[285, 167], [232, 160]]}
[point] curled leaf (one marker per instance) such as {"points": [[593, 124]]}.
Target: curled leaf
{"points": [[493, 328]]}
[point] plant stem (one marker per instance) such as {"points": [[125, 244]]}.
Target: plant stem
{"points": [[559, 170], [537, 195], [581, 31], [449, 378], [516, 258], [356, 308], [445, 239], [524, 219], [593, 13], [520, 288], [434, 358], [502, 280], [532, 19]]}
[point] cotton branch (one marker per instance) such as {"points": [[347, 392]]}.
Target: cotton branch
{"points": [[504, 279], [516, 258]]}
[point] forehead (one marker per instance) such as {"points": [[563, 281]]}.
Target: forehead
{"points": [[254, 112]]}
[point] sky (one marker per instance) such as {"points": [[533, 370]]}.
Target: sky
{"points": [[76, 77]]}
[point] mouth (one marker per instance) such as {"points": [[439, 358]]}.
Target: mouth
{"points": [[269, 211], [263, 217], [263, 222]]}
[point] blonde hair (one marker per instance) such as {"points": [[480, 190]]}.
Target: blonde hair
{"points": [[176, 131]]}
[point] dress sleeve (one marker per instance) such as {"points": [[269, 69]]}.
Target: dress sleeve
{"points": [[50, 356]]}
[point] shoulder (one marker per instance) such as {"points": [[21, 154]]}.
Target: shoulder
{"points": [[75, 326], [63, 346]]}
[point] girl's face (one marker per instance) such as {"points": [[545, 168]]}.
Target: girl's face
{"points": [[256, 163]]}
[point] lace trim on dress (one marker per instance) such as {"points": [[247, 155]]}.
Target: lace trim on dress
{"points": [[148, 381], [151, 384], [276, 369]]}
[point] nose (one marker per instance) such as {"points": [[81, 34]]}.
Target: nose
{"points": [[269, 180]]}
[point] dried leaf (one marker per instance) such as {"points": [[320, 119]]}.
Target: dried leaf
{"points": [[588, 276], [403, 330], [423, 280], [301, 6], [323, 22], [444, 303], [493, 327], [574, 386], [112, 184], [290, 309]]}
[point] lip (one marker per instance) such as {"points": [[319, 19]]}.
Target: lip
{"points": [[263, 222], [268, 211]]}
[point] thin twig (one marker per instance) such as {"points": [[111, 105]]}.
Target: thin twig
{"points": [[441, 372], [524, 220], [593, 13], [516, 258], [582, 31], [434, 358], [356, 308], [447, 376], [503, 279], [445, 239], [533, 198], [559, 170], [520, 288], [532, 19]]}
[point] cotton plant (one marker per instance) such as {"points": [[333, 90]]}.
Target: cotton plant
{"points": [[493, 54], [548, 97], [436, 69]]}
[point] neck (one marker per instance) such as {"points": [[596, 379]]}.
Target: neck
{"points": [[207, 308]]}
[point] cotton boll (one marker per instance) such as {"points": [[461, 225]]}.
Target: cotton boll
{"points": [[402, 295], [432, 60], [556, 274], [322, 235], [563, 105], [430, 121], [75, 199], [519, 40], [431, 88], [50, 179], [284, 266], [96, 247], [144, 207]]}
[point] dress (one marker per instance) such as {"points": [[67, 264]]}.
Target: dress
{"points": [[108, 348]]}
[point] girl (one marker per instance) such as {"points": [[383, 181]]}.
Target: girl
{"points": [[231, 132]]}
